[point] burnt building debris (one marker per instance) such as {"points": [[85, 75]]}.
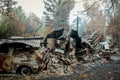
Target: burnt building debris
{"points": [[58, 52]]}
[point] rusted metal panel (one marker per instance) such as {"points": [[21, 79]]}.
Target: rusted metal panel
{"points": [[33, 41]]}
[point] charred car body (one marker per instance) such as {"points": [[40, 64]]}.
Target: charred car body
{"points": [[18, 57]]}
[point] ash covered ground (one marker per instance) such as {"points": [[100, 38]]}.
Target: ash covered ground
{"points": [[98, 70]]}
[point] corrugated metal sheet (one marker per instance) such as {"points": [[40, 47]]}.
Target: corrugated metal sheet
{"points": [[34, 43]]}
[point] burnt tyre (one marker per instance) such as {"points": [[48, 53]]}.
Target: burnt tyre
{"points": [[24, 70]]}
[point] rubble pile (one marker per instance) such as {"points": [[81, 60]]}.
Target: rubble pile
{"points": [[58, 56], [91, 53]]}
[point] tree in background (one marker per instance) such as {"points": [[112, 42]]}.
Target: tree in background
{"points": [[57, 12], [14, 21], [114, 24], [3, 27], [6, 8], [114, 30], [104, 14], [19, 12], [97, 19], [112, 14], [33, 24], [16, 27]]}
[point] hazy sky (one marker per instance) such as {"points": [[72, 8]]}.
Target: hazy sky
{"points": [[37, 7]]}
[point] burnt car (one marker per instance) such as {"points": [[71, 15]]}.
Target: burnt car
{"points": [[18, 57]]}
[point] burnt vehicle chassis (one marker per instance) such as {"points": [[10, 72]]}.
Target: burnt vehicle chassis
{"points": [[17, 57]]}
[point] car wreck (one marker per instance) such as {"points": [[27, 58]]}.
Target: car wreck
{"points": [[18, 57]]}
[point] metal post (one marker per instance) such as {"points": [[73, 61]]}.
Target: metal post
{"points": [[77, 24]]}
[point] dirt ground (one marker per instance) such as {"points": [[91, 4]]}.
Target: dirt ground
{"points": [[99, 70], [104, 71]]}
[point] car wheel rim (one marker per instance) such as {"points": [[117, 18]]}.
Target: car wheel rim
{"points": [[25, 71]]}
